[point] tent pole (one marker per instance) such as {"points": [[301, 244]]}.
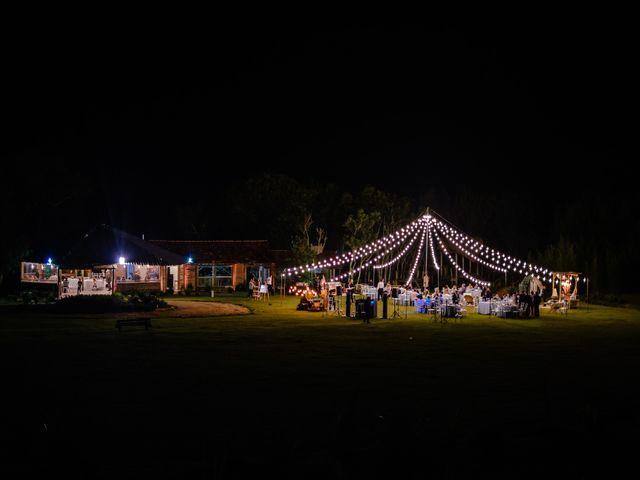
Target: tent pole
{"points": [[426, 255]]}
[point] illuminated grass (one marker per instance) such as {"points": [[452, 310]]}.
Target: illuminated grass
{"points": [[300, 392]]}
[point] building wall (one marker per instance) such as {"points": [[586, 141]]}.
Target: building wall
{"points": [[164, 271], [239, 275], [181, 282], [187, 274], [190, 272], [137, 286]]}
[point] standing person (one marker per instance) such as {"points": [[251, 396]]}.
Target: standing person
{"points": [[536, 304], [324, 295], [252, 285], [270, 284], [380, 289], [531, 306]]}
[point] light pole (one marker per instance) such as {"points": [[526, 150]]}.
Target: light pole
{"points": [[213, 277], [587, 294]]}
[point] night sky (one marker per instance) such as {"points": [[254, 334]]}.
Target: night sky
{"points": [[515, 126], [483, 107]]}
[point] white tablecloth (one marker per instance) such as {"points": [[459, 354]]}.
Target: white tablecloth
{"points": [[371, 291], [407, 298], [484, 308], [88, 284]]}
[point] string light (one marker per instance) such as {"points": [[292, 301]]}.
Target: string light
{"points": [[433, 251], [404, 238], [457, 267], [468, 253], [489, 253], [415, 263], [356, 270], [388, 242], [398, 257]]}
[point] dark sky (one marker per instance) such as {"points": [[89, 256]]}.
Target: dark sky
{"points": [[523, 105]]}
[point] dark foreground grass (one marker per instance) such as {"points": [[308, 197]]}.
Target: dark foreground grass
{"points": [[306, 395]]}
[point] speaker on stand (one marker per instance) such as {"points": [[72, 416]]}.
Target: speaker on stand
{"points": [[384, 305], [394, 296]]}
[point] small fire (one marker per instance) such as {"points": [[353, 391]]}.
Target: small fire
{"points": [[306, 291]]}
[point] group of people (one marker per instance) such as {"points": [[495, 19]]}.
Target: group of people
{"points": [[455, 292], [77, 285], [319, 283], [255, 283], [526, 302]]}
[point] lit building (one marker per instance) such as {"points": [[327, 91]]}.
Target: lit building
{"points": [[225, 264], [107, 260]]}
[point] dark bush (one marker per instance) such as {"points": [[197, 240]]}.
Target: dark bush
{"points": [[609, 299], [133, 302], [93, 304], [28, 298]]}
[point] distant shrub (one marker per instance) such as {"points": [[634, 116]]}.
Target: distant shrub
{"points": [[607, 299], [29, 297], [134, 302], [34, 298]]}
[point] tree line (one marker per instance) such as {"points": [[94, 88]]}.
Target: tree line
{"points": [[583, 232]]}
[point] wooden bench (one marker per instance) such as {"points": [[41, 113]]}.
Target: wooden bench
{"points": [[146, 322]]}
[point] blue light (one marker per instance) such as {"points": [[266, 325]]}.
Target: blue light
{"points": [[49, 261], [189, 260]]}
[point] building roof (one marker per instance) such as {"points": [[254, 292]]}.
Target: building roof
{"points": [[225, 251], [104, 245]]}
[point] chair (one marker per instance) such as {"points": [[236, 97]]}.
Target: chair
{"points": [[564, 307]]}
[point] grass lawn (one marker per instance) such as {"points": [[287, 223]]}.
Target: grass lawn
{"points": [[313, 395]]}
